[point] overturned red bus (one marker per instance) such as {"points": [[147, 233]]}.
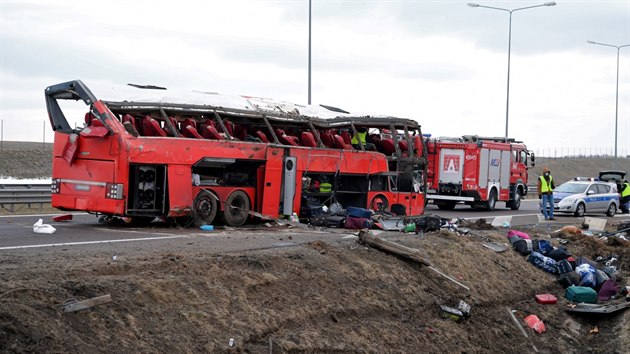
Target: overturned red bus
{"points": [[147, 152]]}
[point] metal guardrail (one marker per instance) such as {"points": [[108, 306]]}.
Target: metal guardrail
{"points": [[12, 194]]}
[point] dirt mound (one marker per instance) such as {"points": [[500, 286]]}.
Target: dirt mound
{"points": [[320, 297], [26, 160]]}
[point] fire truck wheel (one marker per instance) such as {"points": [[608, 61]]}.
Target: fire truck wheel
{"points": [[204, 208], [516, 203], [492, 200], [379, 203], [446, 204], [236, 209]]}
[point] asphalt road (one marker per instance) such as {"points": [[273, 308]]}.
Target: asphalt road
{"points": [[84, 232]]}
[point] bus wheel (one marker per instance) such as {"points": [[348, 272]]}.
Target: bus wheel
{"points": [[446, 204], [204, 208], [379, 203], [236, 209]]}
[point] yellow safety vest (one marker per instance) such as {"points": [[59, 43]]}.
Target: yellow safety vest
{"points": [[544, 186], [361, 136], [626, 190]]}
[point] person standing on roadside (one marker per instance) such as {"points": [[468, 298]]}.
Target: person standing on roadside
{"points": [[545, 192], [624, 202]]}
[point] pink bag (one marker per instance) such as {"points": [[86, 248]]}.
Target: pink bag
{"points": [[535, 323], [520, 234]]}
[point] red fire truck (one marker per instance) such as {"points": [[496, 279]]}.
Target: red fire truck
{"points": [[478, 171], [146, 152]]}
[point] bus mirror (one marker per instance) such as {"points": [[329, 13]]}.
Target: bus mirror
{"points": [[533, 160]]}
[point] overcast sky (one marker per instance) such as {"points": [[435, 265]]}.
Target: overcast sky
{"points": [[441, 63]]}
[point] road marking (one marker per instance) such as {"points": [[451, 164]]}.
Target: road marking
{"points": [[94, 242]]}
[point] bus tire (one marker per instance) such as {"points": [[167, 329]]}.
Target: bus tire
{"points": [[236, 211], [379, 203], [446, 204], [205, 208]]}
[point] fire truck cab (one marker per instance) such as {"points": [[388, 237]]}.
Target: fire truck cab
{"points": [[478, 171]]}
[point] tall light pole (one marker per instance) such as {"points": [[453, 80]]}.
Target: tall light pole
{"points": [[507, 104], [309, 51], [617, 90]]}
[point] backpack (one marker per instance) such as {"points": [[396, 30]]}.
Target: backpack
{"points": [[523, 246], [428, 223]]}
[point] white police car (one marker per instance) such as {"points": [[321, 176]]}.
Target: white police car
{"points": [[586, 195]]}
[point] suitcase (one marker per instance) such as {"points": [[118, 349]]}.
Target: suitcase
{"points": [[523, 246], [359, 212], [335, 221], [581, 294], [546, 299], [564, 266]]}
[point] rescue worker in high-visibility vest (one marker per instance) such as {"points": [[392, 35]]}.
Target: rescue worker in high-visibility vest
{"points": [[359, 135], [545, 192], [625, 197]]}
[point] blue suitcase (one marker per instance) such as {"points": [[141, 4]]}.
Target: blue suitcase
{"points": [[359, 212], [564, 266]]}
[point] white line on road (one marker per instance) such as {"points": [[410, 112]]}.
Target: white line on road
{"points": [[94, 242]]}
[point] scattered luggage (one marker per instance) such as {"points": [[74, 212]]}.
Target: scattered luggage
{"points": [[609, 289], [357, 223], [545, 263], [546, 299], [587, 275], [564, 266], [581, 294], [359, 212], [523, 246], [535, 323]]}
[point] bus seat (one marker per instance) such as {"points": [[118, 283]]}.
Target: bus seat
{"points": [[346, 137], [402, 145], [386, 146], [129, 118], [308, 139], [190, 132], [327, 139], [210, 132], [240, 132], [229, 126], [151, 127], [260, 135], [289, 140], [88, 118], [340, 144]]}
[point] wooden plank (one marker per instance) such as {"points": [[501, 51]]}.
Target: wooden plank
{"points": [[81, 305], [403, 251]]}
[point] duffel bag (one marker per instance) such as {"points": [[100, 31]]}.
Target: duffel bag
{"points": [[542, 246], [545, 263], [357, 223], [587, 275]]}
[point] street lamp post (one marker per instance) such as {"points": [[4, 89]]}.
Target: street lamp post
{"points": [[507, 103], [617, 90], [309, 51]]}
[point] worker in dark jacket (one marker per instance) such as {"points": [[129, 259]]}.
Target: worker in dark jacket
{"points": [[545, 192], [625, 197]]}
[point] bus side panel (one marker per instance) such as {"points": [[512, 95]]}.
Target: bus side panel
{"points": [[180, 194], [272, 188]]}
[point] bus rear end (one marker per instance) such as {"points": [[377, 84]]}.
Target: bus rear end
{"points": [[86, 174]]}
